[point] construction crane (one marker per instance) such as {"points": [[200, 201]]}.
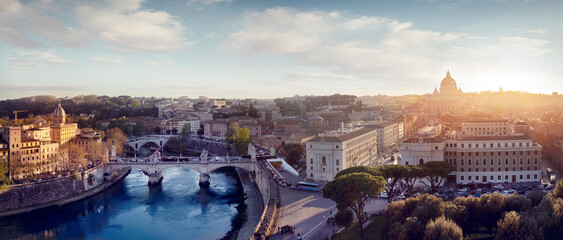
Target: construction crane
{"points": [[16, 114]]}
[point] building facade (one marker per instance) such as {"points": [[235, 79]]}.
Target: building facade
{"points": [[479, 156], [331, 152]]}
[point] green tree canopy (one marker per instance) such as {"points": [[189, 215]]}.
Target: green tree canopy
{"points": [[442, 229], [516, 226], [353, 190], [392, 175], [435, 172], [292, 153], [355, 169]]}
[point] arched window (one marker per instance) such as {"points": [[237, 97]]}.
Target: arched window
{"points": [[421, 161]]}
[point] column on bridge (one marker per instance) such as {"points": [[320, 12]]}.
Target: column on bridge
{"points": [[204, 174], [155, 178]]}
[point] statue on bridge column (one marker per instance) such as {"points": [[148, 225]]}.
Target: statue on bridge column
{"points": [[204, 155], [113, 152], [252, 151], [155, 156]]}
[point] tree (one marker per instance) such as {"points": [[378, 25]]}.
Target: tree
{"points": [[414, 174], [558, 190], [364, 169], [139, 128], [442, 229], [239, 136], [435, 172], [344, 217], [353, 190], [135, 102], [516, 226], [200, 131], [157, 130], [4, 173], [292, 153], [392, 174], [115, 137], [185, 130]]}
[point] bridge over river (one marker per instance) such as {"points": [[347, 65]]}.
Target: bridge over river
{"points": [[155, 164]]}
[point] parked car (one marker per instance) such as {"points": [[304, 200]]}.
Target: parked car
{"points": [[383, 195]]}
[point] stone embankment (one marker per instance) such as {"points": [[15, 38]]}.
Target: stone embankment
{"points": [[30, 196]]}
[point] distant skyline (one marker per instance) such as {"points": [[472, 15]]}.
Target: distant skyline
{"points": [[275, 48]]}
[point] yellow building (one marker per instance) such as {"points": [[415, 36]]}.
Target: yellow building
{"points": [[62, 132]]}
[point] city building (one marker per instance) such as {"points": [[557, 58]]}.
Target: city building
{"points": [[449, 99], [61, 131], [215, 129], [479, 156], [331, 152]]}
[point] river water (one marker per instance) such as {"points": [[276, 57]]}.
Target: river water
{"points": [[177, 209]]}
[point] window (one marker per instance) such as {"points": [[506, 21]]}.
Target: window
{"points": [[337, 161], [336, 146], [535, 176], [323, 160], [462, 145], [311, 167], [311, 161], [505, 177], [506, 161], [462, 162], [535, 160], [477, 178], [455, 161], [521, 176], [521, 161], [498, 177], [492, 178], [469, 178], [337, 169], [469, 162], [462, 169], [528, 176], [421, 161], [513, 161], [476, 161], [311, 174]]}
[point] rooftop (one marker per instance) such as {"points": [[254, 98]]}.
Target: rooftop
{"points": [[338, 136]]}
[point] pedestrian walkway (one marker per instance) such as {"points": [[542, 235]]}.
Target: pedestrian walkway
{"points": [[254, 204]]}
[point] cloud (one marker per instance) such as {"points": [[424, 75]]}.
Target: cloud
{"points": [[210, 35], [159, 63], [108, 59], [207, 2], [377, 49], [529, 46], [34, 25], [129, 28], [25, 59]]}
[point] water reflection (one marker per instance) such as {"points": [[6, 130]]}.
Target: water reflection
{"points": [[177, 209]]}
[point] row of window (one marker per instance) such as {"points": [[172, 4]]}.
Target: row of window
{"points": [[499, 178], [484, 145], [490, 153], [492, 161], [498, 169]]}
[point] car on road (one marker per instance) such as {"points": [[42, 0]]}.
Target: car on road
{"points": [[401, 197], [383, 195]]}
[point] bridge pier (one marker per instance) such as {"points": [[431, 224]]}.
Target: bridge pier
{"points": [[204, 179], [155, 178]]}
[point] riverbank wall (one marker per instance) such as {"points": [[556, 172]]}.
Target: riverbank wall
{"points": [[21, 198]]}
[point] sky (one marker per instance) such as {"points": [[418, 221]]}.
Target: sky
{"points": [[277, 48]]}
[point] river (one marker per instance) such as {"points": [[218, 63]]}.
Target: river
{"points": [[176, 209]]}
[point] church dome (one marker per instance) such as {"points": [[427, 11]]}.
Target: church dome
{"points": [[448, 85], [59, 111], [59, 114]]}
